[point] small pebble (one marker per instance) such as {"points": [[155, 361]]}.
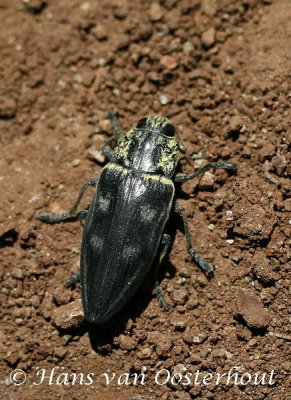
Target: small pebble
{"points": [[236, 124], [169, 62], [78, 78], [156, 12], [95, 155], [179, 369], [180, 296], [144, 353], [229, 215], [207, 181], [127, 342], [209, 7], [208, 37], [86, 6], [199, 338], [62, 295], [163, 99], [99, 32], [187, 47], [105, 125], [163, 347], [76, 162]]}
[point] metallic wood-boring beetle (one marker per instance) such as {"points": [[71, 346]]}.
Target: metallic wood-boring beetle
{"points": [[124, 225]]}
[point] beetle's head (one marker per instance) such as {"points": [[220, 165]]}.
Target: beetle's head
{"points": [[160, 125], [149, 147]]}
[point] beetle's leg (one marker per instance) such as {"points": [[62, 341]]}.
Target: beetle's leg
{"points": [[166, 240], [185, 152], [74, 278], [54, 218], [205, 266], [219, 164], [106, 148], [115, 124], [82, 217]]}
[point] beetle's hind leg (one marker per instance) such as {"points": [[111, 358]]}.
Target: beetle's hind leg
{"points": [[204, 265], [166, 240], [54, 218]]}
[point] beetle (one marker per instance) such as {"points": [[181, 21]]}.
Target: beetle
{"points": [[124, 225]]}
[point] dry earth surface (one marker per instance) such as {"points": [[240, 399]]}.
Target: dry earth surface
{"points": [[221, 71]]}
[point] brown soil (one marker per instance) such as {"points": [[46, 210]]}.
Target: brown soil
{"points": [[220, 70]]}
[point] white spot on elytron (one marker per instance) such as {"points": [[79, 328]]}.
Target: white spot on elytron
{"points": [[130, 251], [103, 203], [96, 242], [148, 214]]}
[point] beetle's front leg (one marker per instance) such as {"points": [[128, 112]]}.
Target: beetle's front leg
{"points": [[106, 148], [50, 218], [166, 240], [115, 124], [204, 265], [218, 165]]}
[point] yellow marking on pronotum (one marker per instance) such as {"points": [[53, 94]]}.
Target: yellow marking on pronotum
{"points": [[125, 170], [157, 121], [117, 167], [158, 178], [124, 143], [172, 143]]}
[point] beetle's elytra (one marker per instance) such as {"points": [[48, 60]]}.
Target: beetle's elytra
{"points": [[125, 221]]}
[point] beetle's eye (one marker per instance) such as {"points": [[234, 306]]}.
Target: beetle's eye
{"points": [[141, 123], [168, 130]]}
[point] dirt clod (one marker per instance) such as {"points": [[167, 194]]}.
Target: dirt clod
{"points": [[127, 342], [68, 316], [8, 107], [252, 310]]}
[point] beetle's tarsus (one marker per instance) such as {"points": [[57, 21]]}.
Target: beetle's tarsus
{"points": [[52, 218], [166, 240], [217, 165], [205, 266], [55, 218], [74, 278], [160, 297]]}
